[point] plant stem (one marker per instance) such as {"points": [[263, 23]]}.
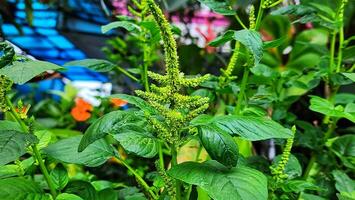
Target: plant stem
{"points": [[37, 155], [242, 90], [340, 50], [173, 163], [260, 15], [161, 156], [139, 178], [125, 72], [332, 50], [145, 68], [240, 21]]}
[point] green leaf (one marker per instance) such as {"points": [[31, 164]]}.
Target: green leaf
{"points": [[82, 189], [249, 38], [129, 26], [66, 150], [44, 137], [343, 183], [140, 103], [13, 144], [221, 183], [107, 194], [350, 76], [112, 123], [139, 142], [344, 145], [9, 125], [219, 145], [293, 168], [93, 64], [59, 176], [298, 186], [248, 127], [21, 72], [18, 188], [9, 171], [274, 43], [7, 54], [218, 6], [66, 196], [325, 107]]}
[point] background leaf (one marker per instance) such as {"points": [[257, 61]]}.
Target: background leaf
{"points": [[18, 188], [220, 7], [129, 26], [82, 189], [93, 64]]}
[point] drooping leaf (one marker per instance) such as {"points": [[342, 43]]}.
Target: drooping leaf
{"points": [[66, 150], [139, 142], [13, 144], [140, 103], [249, 38], [248, 127], [93, 64], [343, 183], [18, 188], [66, 196], [59, 176], [219, 6], [82, 189], [221, 183], [219, 145], [21, 72], [111, 123], [129, 26]]}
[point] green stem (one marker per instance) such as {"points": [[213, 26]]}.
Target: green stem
{"points": [[125, 72], [173, 163], [260, 15], [139, 178], [240, 21], [145, 69], [340, 50], [37, 155], [332, 50], [161, 156], [242, 91]]}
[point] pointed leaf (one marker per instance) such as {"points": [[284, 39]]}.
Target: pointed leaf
{"points": [[59, 176], [93, 64], [129, 26]]}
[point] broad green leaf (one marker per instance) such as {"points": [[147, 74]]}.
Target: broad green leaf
{"points": [[64, 133], [249, 38], [18, 188], [93, 64], [293, 168], [9, 125], [139, 142], [248, 127], [112, 123], [21, 72], [219, 145], [9, 171], [298, 186], [220, 7], [82, 189], [13, 144], [325, 107], [66, 196], [350, 76], [59, 176], [221, 183], [66, 150], [44, 137], [108, 193], [343, 183], [140, 103], [344, 145], [265, 71], [129, 26]]}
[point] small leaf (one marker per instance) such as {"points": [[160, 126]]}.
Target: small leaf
{"points": [[93, 64], [343, 183], [66, 150], [21, 72], [18, 188], [350, 76], [249, 38], [82, 189], [129, 26], [13, 144], [59, 176], [219, 145], [44, 137], [220, 7], [248, 127], [66, 196], [139, 142], [221, 183]]}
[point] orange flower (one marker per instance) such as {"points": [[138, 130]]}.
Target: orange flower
{"points": [[81, 110], [116, 102]]}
